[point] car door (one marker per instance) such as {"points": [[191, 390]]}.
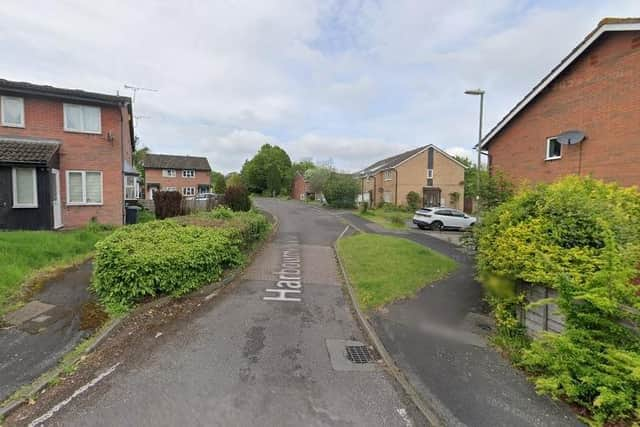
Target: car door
{"points": [[458, 219], [444, 216]]}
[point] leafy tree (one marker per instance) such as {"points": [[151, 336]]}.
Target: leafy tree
{"points": [[138, 157], [254, 172], [413, 200], [317, 178], [233, 179], [302, 166], [341, 190], [218, 182], [494, 186], [274, 182], [237, 198]]}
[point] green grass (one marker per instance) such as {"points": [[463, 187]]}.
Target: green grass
{"points": [[24, 253], [392, 219], [384, 269]]}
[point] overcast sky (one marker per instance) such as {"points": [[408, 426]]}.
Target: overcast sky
{"points": [[342, 81]]}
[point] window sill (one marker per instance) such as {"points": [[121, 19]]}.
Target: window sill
{"points": [[9, 125], [25, 206], [84, 204], [83, 132], [552, 158]]}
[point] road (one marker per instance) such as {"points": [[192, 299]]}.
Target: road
{"points": [[249, 361]]}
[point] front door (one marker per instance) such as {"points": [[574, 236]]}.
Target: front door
{"points": [[431, 197], [55, 198]]}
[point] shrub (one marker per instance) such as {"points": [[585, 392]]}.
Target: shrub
{"points": [[364, 207], [396, 219], [413, 200], [159, 257], [145, 215], [236, 197], [581, 237], [167, 204], [341, 190]]}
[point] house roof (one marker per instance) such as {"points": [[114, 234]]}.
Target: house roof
{"points": [[398, 159], [27, 151], [169, 161], [605, 25], [24, 88]]}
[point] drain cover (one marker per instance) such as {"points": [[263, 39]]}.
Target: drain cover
{"points": [[359, 354]]}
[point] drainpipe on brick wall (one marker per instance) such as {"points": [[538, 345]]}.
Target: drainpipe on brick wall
{"points": [[396, 175]]}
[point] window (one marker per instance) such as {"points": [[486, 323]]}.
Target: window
{"points": [[84, 188], [82, 118], [429, 173], [387, 175], [12, 111], [25, 188], [188, 191], [554, 149], [386, 196], [130, 187], [443, 212], [188, 173], [169, 173], [170, 189]]}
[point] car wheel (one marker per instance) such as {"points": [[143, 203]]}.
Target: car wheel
{"points": [[422, 227], [436, 225]]}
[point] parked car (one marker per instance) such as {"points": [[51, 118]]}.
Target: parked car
{"points": [[441, 218]]}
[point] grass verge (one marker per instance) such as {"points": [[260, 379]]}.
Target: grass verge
{"points": [[33, 255], [390, 219], [384, 269]]}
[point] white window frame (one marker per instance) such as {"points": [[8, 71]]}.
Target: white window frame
{"points": [[193, 191], [2, 107], [387, 175], [170, 189], [191, 174], [84, 189], [17, 205], [65, 106], [169, 173], [135, 187], [546, 154], [429, 173]]}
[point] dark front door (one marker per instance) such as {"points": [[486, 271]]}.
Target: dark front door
{"points": [[5, 196], [431, 197]]}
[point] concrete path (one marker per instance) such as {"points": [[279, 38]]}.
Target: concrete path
{"points": [[37, 335], [260, 354], [439, 339]]}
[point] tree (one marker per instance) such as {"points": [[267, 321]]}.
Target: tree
{"points": [[254, 172], [217, 182], [302, 166], [274, 182], [341, 190], [138, 157], [317, 178], [233, 179]]}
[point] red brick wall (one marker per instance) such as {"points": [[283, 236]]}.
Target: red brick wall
{"points": [[81, 151], [598, 94], [299, 187], [154, 176]]}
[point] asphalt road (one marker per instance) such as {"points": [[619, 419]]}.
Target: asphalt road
{"points": [[247, 361]]}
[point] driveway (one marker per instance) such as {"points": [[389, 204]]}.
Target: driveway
{"points": [[263, 354], [439, 339]]}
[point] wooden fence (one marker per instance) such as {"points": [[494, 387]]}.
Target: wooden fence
{"points": [[190, 206]]}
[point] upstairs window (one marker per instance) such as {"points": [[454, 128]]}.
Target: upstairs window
{"points": [[12, 111], [82, 118], [188, 173], [554, 149], [169, 173], [387, 175], [25, 188], [429, 173]]}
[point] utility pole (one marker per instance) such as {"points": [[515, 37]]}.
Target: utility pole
{"points": [[479, 92]]}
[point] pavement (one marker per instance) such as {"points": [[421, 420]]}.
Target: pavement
{"points": [[270, 351], [37, 335], [439, 340]]}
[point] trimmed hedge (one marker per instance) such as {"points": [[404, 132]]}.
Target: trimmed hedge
{"points": [[171, 257], [167, 204]]}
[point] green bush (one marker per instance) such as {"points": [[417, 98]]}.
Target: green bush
{"points": [[413, 200], [167, 204], [581, 237], [145, 215], [364, 207], [396, 219], [341, 190], [236, 197]]}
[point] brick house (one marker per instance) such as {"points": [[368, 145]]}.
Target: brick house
{"points": [[65, 157], [299, 187], [429, 171], [594, 92], [186, 174]]}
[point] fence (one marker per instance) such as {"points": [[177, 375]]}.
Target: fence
{"points": [[193, 205]]}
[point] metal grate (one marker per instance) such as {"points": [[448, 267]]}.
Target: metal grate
{"points": [[359, 354]]}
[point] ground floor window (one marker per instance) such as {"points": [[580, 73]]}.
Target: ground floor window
{"points": [[25, 188], [130, 187], [170, 189], [387, 196], [188, 191], [84, 187]]}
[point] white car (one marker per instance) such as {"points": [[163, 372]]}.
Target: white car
{"points": [[441, 218]]}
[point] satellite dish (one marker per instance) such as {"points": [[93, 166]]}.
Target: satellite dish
{"points": [[570, 137]]}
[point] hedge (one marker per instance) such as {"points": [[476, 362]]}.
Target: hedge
{"points": [[171, 257], [581, 237]]}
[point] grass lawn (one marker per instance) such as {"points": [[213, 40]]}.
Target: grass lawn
{"points": [[391, 219], [383, 269], [23, 253]]}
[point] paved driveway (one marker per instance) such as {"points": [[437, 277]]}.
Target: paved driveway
{"points": [[247, 361]]}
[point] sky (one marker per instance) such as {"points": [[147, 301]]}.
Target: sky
{"points": [[339, 82]]}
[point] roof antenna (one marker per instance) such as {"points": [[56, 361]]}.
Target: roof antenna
{"points": [[135, 89]]}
